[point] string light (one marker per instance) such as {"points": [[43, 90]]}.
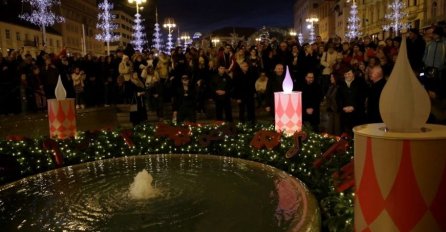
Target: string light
{"points": [[42, 15], [89, 146], [105, 24], [353, 26], [396, 16], [157, 41]]}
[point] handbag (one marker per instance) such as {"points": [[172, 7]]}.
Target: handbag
{"points": [[133, 104]]}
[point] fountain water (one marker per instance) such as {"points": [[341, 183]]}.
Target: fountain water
{"points": [[141, 188], [196, 193]]}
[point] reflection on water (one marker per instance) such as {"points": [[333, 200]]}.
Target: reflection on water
{"points": [[196, 193]]}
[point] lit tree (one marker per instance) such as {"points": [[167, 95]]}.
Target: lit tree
{"points": [[353, 22], [396, 16], [106, 25], [42, 15], [138, 33], [264, 35], [157, 34]]}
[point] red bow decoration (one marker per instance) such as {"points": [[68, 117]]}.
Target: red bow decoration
{"points": [[50, 144], [268, 139], [344, 178], [298, 138], [127, 136], [338, 147], [15, 138], [180, 135]]}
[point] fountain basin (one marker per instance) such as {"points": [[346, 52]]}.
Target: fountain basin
{"points": [[194, 193]]}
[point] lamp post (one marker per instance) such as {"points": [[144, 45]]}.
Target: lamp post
{"points": [[215, 41], [311, 21], [292, 33], [169, 23], [185, 36], [138, 36]]}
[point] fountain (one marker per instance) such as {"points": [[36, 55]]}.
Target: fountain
{"points": [[141, 188], [187, 193]]}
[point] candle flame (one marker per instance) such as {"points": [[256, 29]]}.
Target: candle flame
{"points": [[60, 91], [287, 83]]}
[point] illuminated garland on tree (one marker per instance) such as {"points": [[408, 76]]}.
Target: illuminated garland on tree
{"points": [[396, 16], [106, 25], [157, 41], [353, 26], [300, 37], [42, 15], [138, 34], [323, 163]]}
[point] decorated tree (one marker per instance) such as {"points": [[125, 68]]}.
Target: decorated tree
{"points": [[264, 35], [105, 24], [138, 33], [353, 23], [396, 16], [42, 15], [157, 41]]}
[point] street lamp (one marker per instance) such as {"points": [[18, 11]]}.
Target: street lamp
{"points": [[169, 23], [215, 41], [138, 35], [311, 21], [293, 33], [137, 2], [185, 36]]}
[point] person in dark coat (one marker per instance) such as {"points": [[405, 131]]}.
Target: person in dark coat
{"points": [[377, 85], [221, 86], [415, 50], [184, 101], [244, 84], [351, 101], [274, 84], [311, 100]]}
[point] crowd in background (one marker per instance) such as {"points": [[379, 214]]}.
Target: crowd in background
{"points": [[342, 79]]}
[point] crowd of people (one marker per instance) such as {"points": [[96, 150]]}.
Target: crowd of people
{"points": [[342, 79]]}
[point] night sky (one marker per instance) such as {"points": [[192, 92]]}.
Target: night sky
{"points": [[205, 15]]}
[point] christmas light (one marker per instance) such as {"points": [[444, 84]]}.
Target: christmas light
{"points": [[396, 16], [42, 15], [353, 26], [157, 41], [337, 208], [138, 33], [106, 25], [312, 34], [300, 37]]}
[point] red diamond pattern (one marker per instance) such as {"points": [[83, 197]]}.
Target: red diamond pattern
{"points": [[405, 204], [369, 193]]}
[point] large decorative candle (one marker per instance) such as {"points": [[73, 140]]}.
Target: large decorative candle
{"points": [[61, 114], [400, 165], [288, 107]]}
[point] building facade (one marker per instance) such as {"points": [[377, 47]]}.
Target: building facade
{"points": [[15, 36], [333, 16], [79, 29], [125, 29]]}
